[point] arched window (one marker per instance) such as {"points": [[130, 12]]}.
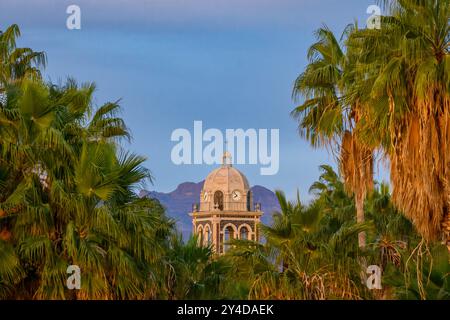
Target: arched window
{"points": [[227, 236], [218, 200], [200, 235], [207, 235], [244, 233]]}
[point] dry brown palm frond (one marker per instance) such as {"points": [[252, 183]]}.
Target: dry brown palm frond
{"points": [[419, 255], [339, 286], [420, 166], [313, 285], [390, 251]]}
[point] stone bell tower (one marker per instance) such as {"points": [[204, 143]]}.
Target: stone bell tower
{"points": [[226, 210]]}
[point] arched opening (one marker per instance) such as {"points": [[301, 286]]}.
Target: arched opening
{"points": [[207, 235], [243, 235], [218, 200], [200, 235], [227, 236]]}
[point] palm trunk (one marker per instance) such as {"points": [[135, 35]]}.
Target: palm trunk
{"points": [[356, 167], [359, 201]]}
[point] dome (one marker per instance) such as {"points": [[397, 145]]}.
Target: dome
{"points": [[226, 179], [226, 189]]}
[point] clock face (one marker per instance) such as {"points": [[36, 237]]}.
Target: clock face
{"points": [[236, 195], [205, 196]]}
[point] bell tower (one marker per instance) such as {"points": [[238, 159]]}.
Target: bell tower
{"points": [[226, 210]]}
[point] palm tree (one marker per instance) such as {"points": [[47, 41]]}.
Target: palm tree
{"points": [[294, 224], [254, 272], [17, 63], [407, 61], [68, 197], [331, 113], [192, 272], [331, 198], [310, 251], [281, 233]]}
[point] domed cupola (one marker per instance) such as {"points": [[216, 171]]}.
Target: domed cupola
{"points": [[226, 209], [226, 189]]}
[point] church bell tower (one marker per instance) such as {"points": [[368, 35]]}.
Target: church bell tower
{"points": [[226, 210]]}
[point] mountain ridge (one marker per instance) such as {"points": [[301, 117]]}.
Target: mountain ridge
{"points": [[178, 203]]}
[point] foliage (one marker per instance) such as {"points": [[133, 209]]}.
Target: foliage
{"points": [[67, 193], [311, 251], [68, 187]]}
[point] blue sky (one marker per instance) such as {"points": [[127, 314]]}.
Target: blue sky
{"points": [[229, 63]]}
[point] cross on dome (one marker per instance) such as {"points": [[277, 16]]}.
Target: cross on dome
{"points": [[226, 159]]}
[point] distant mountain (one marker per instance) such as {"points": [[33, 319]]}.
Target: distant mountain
{"points": [[178, 203]]}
